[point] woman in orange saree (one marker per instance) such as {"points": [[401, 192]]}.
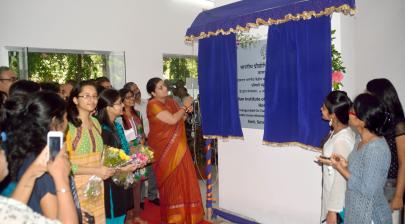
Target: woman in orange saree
{"points": [[180, 198]]}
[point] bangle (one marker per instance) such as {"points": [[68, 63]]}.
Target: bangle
{"points": [[62, 190]]}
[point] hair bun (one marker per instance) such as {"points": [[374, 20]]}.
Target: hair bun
{"points": [[30, 108], [12, 110]]}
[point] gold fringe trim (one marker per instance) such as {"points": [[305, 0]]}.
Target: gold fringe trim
{"points": [[222, 137], [298, 144], [274, 144], [345, 9]]}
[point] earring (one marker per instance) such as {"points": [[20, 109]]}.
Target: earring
{"points": [[330, 122]]}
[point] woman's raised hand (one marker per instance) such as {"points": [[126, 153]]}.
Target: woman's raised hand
{"points": [[38, 167], [187, 101]]}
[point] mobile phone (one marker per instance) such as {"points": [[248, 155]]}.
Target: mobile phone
{"points": [[55, 142], [324, 157]]}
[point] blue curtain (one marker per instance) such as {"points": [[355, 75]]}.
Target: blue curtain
{"points": [[242, 13], [217, 81], [298, 78]]}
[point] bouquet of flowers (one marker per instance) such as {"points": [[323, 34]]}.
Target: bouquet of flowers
{"points": [[117, 158], [92, 190], [144, 155]]}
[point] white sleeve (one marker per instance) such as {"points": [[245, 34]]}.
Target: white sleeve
{"points": [[337, 194]]}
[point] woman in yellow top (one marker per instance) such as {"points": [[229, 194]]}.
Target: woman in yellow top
{"points": [[85, 146]]}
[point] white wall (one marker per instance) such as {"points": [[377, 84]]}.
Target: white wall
{"points": [[144, 29], [373, 44], [223, 2], [270, 185]]}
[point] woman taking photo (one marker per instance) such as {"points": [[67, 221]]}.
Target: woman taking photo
{"points": [[335, 109], [180, 198], [85, 144], [367, 166], [27, 120], [117, 199], [15, 210]]}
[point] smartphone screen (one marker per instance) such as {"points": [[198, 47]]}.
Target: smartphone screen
{"points": [[54, 146]]}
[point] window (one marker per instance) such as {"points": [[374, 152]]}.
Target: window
{"points": [[56, 65], [181, 70], [178, 67]]}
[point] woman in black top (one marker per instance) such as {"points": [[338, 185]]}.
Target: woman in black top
{"points": [[27, 119], [117, 199], [395, 186]]}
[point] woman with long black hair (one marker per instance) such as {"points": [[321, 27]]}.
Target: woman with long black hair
{"points": [[27, 120], [395, 185], [85, 145], [118, 201], [335, 109]]}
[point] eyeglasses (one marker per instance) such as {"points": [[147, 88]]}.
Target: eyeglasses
{"points": [[130, 97], [12, 79], [88, 97], [352, 113], [117, 104]]}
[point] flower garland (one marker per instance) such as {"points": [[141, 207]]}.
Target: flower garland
{"points": [[337, 66]]}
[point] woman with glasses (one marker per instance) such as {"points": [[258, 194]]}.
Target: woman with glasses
{"points": [[117, 199], [132, 123], [132, 119], [367, 166], [85, 144]]}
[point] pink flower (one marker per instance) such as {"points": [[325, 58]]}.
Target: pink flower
{"points": [[337, 76]]}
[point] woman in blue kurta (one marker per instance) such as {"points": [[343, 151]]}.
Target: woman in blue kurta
{"points": [[367, 166]]}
